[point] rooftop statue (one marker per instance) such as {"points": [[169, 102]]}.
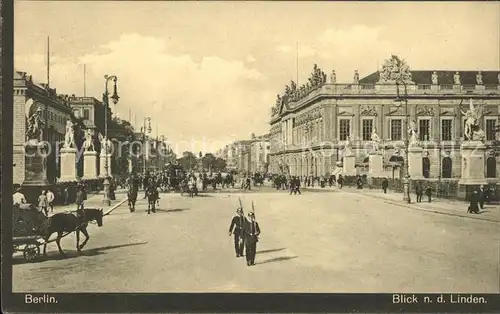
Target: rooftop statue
{"points": [[356, 77], [456, 78], [479, 78], [395, 69], [333, 77], [434, 78]]}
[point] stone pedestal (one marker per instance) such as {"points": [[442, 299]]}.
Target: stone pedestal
{"points": [[415, 169], [90, 165], [472, 153], [35, 158], [376, 165], [349, 166], [102, 172], [479, 87], [68, 164]]}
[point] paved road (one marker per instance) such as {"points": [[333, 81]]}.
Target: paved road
{"points": [[315, 242]]}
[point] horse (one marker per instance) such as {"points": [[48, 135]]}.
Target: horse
{"points": [[153, 196], [67, 222], [132, 195]]}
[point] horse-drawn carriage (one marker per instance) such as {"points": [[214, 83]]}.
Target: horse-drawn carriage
{"points": [[24, 238], [32, 229]]}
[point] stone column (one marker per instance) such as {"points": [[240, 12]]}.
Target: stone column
{"points": [[90, 165], [415, 162], [68, 164]]}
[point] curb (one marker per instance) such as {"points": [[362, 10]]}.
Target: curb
{"points": [[435, 211]]}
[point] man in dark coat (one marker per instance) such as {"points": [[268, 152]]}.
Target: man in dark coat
{"points": [[482, 194], [419, 191], [80, 196], [473, 206], [236, 228], [385, 185], [428, 192], [252, 232], [340, 181]]}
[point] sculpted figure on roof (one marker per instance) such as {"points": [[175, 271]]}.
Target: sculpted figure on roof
{"points": [[434, 78], [395, 69]]}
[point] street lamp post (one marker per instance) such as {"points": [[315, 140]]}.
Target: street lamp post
{"points": [[114, 99], [146, 119], [406, 178]]}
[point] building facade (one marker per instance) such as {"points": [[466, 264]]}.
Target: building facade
{"points": [[311, 125], [55, 112]]}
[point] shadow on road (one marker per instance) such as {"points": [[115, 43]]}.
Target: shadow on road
{"points": [[271, 250], [172, 210], [70, 254], [277, 259]]}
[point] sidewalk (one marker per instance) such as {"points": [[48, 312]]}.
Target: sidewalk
{"points": [[93, 200], [440, 206]]}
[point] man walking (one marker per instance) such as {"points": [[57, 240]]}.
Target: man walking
{"points": [[482, 196], [252, 232], [236, 228], [385, 185], [50, 199], [419, 190]]}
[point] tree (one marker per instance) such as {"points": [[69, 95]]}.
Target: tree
{"points": [[187, 161], [219, 164], [207, 161]]}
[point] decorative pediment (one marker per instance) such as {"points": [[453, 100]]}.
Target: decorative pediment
{"points": [[368, 111], [345, 111], [425, 111], [447, 112], [395, 111]]}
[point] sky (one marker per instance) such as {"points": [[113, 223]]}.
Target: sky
{"points": [[208, 73]]}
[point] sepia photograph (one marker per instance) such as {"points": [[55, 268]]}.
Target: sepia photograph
{"points": [[256, 147]]}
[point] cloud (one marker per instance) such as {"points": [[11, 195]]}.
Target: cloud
{"points": [[284, 48], [212, 101], [251, 59]]}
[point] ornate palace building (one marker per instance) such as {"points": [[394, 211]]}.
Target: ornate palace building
{"points": [[311, 124]]}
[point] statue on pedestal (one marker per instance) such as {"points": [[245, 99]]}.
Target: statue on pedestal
{"points": [[375, 140], [434, 78], [69, 137], [479, 78], [35, 126], [88, 145], [348, 147], [471, 118], [456, 78], [413, 133], [356, 77]]}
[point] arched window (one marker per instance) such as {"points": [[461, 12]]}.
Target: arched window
{"points": [[446, 168], [426, 167], [491, 167]]}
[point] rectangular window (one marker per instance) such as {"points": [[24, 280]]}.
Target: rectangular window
{"points": [[86, 114], [344, 129], [446, 129], [490, 129], [424, 129], [367, 129], [396, 129]]}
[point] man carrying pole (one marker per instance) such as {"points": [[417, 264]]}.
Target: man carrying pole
{"points": [[252, 232], [236, 228]]}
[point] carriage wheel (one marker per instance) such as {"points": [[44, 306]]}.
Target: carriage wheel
{"points": [[30, 252]]}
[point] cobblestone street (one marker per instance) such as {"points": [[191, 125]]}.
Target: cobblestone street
{"points": [[335, 241]]}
